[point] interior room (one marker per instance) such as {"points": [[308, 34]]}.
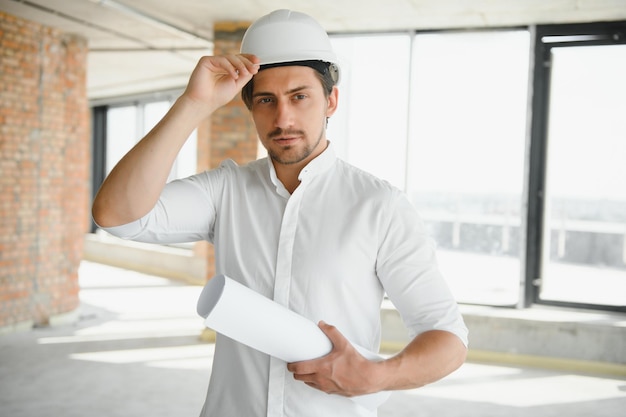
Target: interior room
{"points": [[501, 121]]}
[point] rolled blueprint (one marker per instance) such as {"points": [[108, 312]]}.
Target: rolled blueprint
{"points": [[269, 327]]}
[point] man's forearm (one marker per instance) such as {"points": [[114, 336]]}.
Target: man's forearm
{"points": [[429, 357], [135, 184], [133, 187]]}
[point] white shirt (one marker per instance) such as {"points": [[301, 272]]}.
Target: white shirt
{"points": [[329, 251]]}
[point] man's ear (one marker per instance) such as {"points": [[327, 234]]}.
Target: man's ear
{"points": [[333, 99]]}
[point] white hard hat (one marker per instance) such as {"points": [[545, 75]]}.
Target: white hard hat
{"points": [[285, 36]]}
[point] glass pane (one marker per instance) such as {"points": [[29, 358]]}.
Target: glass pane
{"points": [[466, 157], [187, 160], [185, 163], [585, 215], [121, 134], [152, 113], [369, 129]]}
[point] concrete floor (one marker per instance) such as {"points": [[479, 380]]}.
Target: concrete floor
{"points": [[135, 351]]}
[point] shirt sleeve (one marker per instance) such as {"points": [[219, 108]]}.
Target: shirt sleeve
{"points": [[407, 268], [185, 212]]}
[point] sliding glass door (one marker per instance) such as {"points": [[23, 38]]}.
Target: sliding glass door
{"points": [[584, 226]]}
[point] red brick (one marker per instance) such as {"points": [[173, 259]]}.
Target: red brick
{"points": [[43, 189]]}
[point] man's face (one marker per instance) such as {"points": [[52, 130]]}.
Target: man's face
{"points": [[289, 109]]}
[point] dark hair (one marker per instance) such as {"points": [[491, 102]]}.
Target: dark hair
{"points": [[322, 70]]}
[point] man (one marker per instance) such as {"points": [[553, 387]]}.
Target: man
{"points": [[300, 227]]}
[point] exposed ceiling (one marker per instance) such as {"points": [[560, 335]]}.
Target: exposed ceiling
{"points": [[137, 46]]}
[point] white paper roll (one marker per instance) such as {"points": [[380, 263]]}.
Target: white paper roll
{"points": [[269, 327]]}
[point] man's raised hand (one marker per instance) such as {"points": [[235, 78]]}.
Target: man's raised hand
{"points": [[217, 79]]}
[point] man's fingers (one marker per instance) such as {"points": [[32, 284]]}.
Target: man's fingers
{"points": [[240, 65], [336, 337], [233, 65], [253, 59], [304, 377], [303, 368]]}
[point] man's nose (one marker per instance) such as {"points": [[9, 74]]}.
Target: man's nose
{"points": [[284, 115]]}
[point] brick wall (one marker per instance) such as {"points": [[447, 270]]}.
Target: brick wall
{"points": [[229, 133], [44, 170], [233, 135]]}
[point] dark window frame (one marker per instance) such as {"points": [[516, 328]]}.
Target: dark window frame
{"points": [[547, 37], [98, 151]]}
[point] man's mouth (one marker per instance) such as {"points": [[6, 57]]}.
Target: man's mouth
{"points": [[285, 138]]}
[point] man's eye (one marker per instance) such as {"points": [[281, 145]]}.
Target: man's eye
{"points": [[264, 100], [299, 96]]}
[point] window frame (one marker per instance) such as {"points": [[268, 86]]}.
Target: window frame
{"points": [[99, 110], [546, 37]]}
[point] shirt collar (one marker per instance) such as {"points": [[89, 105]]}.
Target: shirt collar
{"points": [[320, 164], [317, 166]]}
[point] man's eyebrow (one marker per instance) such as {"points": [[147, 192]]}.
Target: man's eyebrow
{"points": [[288, 92]]}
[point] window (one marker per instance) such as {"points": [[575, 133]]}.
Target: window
{"points": [[583, 155], [117, 128], [443, 117], [468, 118], [370, 126], [126, 125], [525, 206], [121, 133]]}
